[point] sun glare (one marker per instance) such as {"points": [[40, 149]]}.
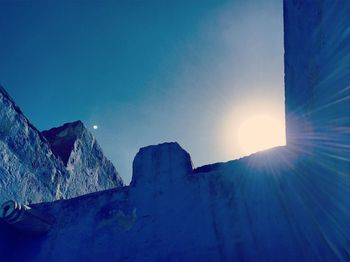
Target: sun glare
{"points": [[260, 132]]}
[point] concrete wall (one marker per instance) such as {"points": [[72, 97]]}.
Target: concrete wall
{"points": [[286, 204], [317, 76], [272, 206]]}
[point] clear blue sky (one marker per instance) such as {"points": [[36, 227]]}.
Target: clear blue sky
{"points": [[145, 71]]}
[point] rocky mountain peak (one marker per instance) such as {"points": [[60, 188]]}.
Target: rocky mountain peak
{"points": [[62, 138], [83, 157], [62, 162]]}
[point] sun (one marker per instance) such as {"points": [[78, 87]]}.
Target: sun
{"points": [[260, 132]]}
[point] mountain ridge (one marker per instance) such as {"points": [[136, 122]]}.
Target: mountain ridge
{"points": [[31, 169]]}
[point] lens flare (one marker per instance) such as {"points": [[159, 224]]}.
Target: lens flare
{"points": [[260, 132]]}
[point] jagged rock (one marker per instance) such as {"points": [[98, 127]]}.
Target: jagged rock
{"points": [[286, 204], [33, 170], [29, 171], [89, 170]]}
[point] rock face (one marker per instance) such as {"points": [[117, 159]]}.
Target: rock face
{"points": [[285, 204], [33, 170], [89, 170], [29, 171]]}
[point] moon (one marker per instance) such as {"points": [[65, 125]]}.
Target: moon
{"points": [[95, 127]]}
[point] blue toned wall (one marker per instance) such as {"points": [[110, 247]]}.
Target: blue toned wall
{"points": [[286, 204], [317, 75], [272, 206]]}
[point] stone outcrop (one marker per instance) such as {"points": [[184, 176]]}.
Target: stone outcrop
{"points": [[29, 171], [61, 163], [89, 170]]}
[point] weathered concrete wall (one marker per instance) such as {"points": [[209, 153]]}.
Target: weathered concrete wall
{"points": [[272, 206], [317, 75], [317, 89], [286, 204]]}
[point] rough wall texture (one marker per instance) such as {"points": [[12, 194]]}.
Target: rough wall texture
{"points": [[89, 170], [272, 206], [29, 171], [317, 79], [285, 204], [34, 170]]}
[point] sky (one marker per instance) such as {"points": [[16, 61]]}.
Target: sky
{"points": [[146, 71]]}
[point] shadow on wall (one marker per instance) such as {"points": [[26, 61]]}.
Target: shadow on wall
{"points": [[285, 204]]}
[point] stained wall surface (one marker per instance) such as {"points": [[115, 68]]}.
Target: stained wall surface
{"points": [[286, 204], [317, 75]]}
